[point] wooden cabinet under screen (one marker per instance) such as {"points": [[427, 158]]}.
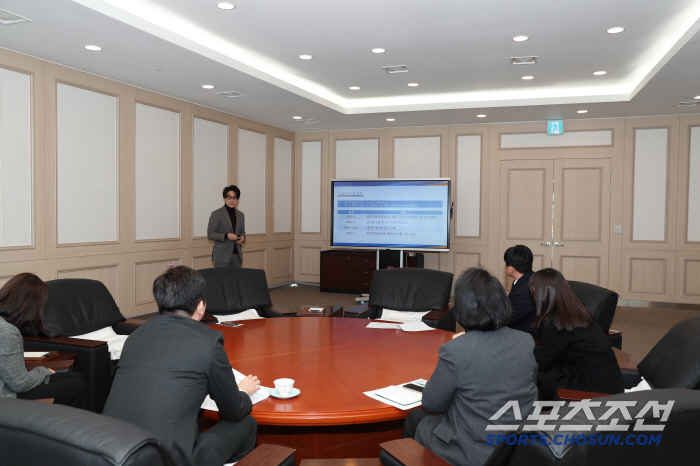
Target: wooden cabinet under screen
{"points": [[350, 271]]}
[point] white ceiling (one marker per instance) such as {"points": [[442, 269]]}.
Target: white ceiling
{"points": [[458, 52]]}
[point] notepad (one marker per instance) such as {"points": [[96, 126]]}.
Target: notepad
{"points": [[406, 326], [399, 397], [256, 397]]}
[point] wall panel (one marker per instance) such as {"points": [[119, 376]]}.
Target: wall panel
{"points": [[252, 176], [209, 171], [16, 157], [85, 116], [648, 275], [417, 157], [311, 182], [282, 262], [87, 142], [142, 269], [157, 173], [356, 158], [10, 269], [283, 193]]}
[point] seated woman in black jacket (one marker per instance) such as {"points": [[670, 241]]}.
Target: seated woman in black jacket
{"points": [[574, 353]]}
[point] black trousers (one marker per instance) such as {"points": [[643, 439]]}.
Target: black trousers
{"points": [[412, 421], [66, 388], [226, 442]]}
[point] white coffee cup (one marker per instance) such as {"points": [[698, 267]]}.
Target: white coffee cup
{"points": [[284, 386]]}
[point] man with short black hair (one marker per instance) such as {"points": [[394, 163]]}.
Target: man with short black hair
{"points": [[227, 229], [518, 261], [167, 368]]}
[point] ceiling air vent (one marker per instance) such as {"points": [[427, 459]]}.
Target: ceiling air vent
{"points": [[691, 103], [230, 94], [523, 60], [396, 69], [10, 18]]}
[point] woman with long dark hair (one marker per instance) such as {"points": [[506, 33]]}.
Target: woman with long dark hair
{"points": [[479, 371], [574, 353], [22, 301]]}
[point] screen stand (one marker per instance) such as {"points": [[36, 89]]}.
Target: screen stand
{"points": [[387, 258]]}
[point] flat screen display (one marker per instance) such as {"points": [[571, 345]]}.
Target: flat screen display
{"points": [[391, 214]]}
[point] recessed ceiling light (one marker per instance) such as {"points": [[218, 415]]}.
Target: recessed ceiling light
{"points": [[297, 117], [208, 86], [599, 73], [378, 50], [615, 30], [527, 78], [697, 97], [520, 38], [305, 57], [354, 88], [481, 116], [94, 48], [582, 111], [225, 5], [412, 84], [391, 119]]}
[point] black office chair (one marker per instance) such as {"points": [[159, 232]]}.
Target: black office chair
{"points": [[33, 433], [410, 289], [77, 306], [231, 291], [677, 442], [602, 303]]}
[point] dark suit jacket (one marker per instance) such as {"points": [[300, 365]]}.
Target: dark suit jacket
{"points": [[581, 360], [167, 367], [522, 303], [217, 229], [476, 375]]}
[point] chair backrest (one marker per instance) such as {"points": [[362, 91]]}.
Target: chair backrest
{"points": [[34, 433], [669, 441], [600, 301], [410, 289], [674, 362], [78, 305], [231, 290]]}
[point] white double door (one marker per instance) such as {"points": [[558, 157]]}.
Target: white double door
{"points": [[560, 209]]}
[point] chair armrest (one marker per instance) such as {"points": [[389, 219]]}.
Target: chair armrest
{"points": [[443, 319], [408, 452], [55, 365], [267, 454], [128, 326], [67, 341], [276, 310], [362, 311], [577, 395]]}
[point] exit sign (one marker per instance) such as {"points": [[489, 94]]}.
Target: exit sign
{"points": [[555, 127]]}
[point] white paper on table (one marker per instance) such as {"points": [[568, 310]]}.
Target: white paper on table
{"points": [[256, 397], [399, 397], [35, 354], [402, 316], [406, 326], [643, 385], [115, 342]]}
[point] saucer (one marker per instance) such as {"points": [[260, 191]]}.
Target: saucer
{"points": [[294, 392]]}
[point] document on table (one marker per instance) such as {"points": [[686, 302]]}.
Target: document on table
{"points": [[35, 354], [398, 396], [406, 326], [257, 397]]}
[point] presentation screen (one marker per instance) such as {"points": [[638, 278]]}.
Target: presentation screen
{"points": [[391, 214]]}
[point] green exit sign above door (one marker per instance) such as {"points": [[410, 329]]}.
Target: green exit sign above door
{"points": [[555, 127]]}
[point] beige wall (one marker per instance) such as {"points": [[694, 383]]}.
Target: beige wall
{"points": [[129, 264], [666, 268], [647, 261]]}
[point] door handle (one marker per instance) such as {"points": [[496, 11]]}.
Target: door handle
{"points": [[548, 244], [557, 245]]}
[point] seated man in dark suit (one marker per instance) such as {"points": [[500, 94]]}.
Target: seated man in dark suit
{"points": [[519, 267], [167, 367]]}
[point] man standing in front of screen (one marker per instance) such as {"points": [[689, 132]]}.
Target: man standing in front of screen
{"points": [[227, 229]]}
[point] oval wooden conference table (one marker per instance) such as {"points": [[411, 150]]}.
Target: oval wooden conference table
{"points": [[333, 361]]}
